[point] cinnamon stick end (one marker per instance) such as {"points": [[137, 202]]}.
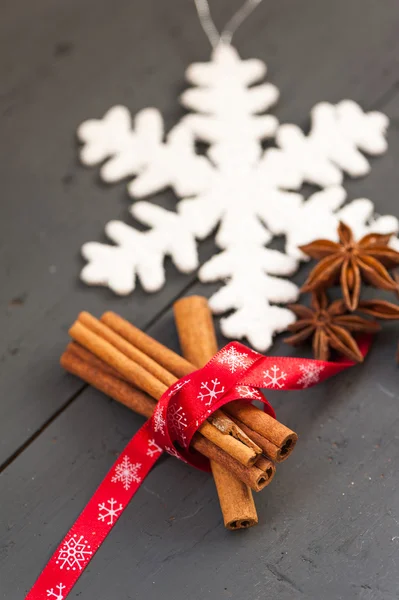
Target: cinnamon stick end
{"points": [[242, 523], [268, 469], [287, 447]]}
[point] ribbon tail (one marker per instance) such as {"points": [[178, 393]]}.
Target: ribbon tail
{"points": [[98, 517]]}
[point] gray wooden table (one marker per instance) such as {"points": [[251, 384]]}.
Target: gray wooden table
{"points": [[329, 524]]}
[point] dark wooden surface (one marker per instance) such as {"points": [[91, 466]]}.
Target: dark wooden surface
{"points": [[329, 524]]}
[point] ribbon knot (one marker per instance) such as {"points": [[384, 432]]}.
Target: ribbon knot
{"points": [[193, 398]]}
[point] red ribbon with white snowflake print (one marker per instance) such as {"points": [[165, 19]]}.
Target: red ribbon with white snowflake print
{"points": [[235, 372]]}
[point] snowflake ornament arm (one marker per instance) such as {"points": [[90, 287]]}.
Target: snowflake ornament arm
{"points": [[333, 146], [322, 212], [249, 290], [243, 193], [139, 254], [113, 138], [229, 108], [140, 151], [136, 254]]}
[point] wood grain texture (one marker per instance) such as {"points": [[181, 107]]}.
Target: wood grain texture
{"points": [[73, 61], [329, 524]]}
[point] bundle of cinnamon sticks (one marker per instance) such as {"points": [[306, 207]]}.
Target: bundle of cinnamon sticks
{"points": [[241, 441]]}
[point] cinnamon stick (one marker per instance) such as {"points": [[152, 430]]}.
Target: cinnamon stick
{"points": [[198, 342], [272, 435], [195, 328], [219, 419], [107, 383], [135, 374], [161, 354], [254, 418], [255, 477], [275, 453], [126, 348], [90, 358], [89, 370]]}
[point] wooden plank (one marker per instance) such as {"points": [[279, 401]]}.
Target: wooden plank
{"points": [[51, 205], [328, 523], [73, 61]]}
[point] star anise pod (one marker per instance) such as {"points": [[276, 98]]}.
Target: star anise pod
{"points": [[349, 262], [329, 326], [380, 309]]}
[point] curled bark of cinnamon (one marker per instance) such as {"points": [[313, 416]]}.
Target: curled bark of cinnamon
{"points": [[276, 440], [198, 342]]}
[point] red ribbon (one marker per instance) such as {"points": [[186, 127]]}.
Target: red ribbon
{"points": [[235, 372]]}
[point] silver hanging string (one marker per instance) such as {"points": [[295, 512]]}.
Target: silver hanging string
{"points": [[209, 27], [207, 24], [238, 19]]}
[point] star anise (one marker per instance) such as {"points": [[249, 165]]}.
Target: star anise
{"points": [[380, 309], [329, 326], [349, 262]]}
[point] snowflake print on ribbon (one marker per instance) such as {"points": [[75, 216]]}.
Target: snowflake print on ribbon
{"points": [[233, 359], [247, 392], [159, 420], [58, 595], [210, 391], [173, 452], [310, 374], [74, 553], [273, 377], [246, 194], [153, 448], [177, 386], [109, 512], [206, 414], [126, 473], [177, 421]]}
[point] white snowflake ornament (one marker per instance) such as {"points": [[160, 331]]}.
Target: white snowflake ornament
{"points": [[245, 194]]}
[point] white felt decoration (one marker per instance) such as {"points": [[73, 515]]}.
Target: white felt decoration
{"points": [[332, 148], [242, 193]]}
